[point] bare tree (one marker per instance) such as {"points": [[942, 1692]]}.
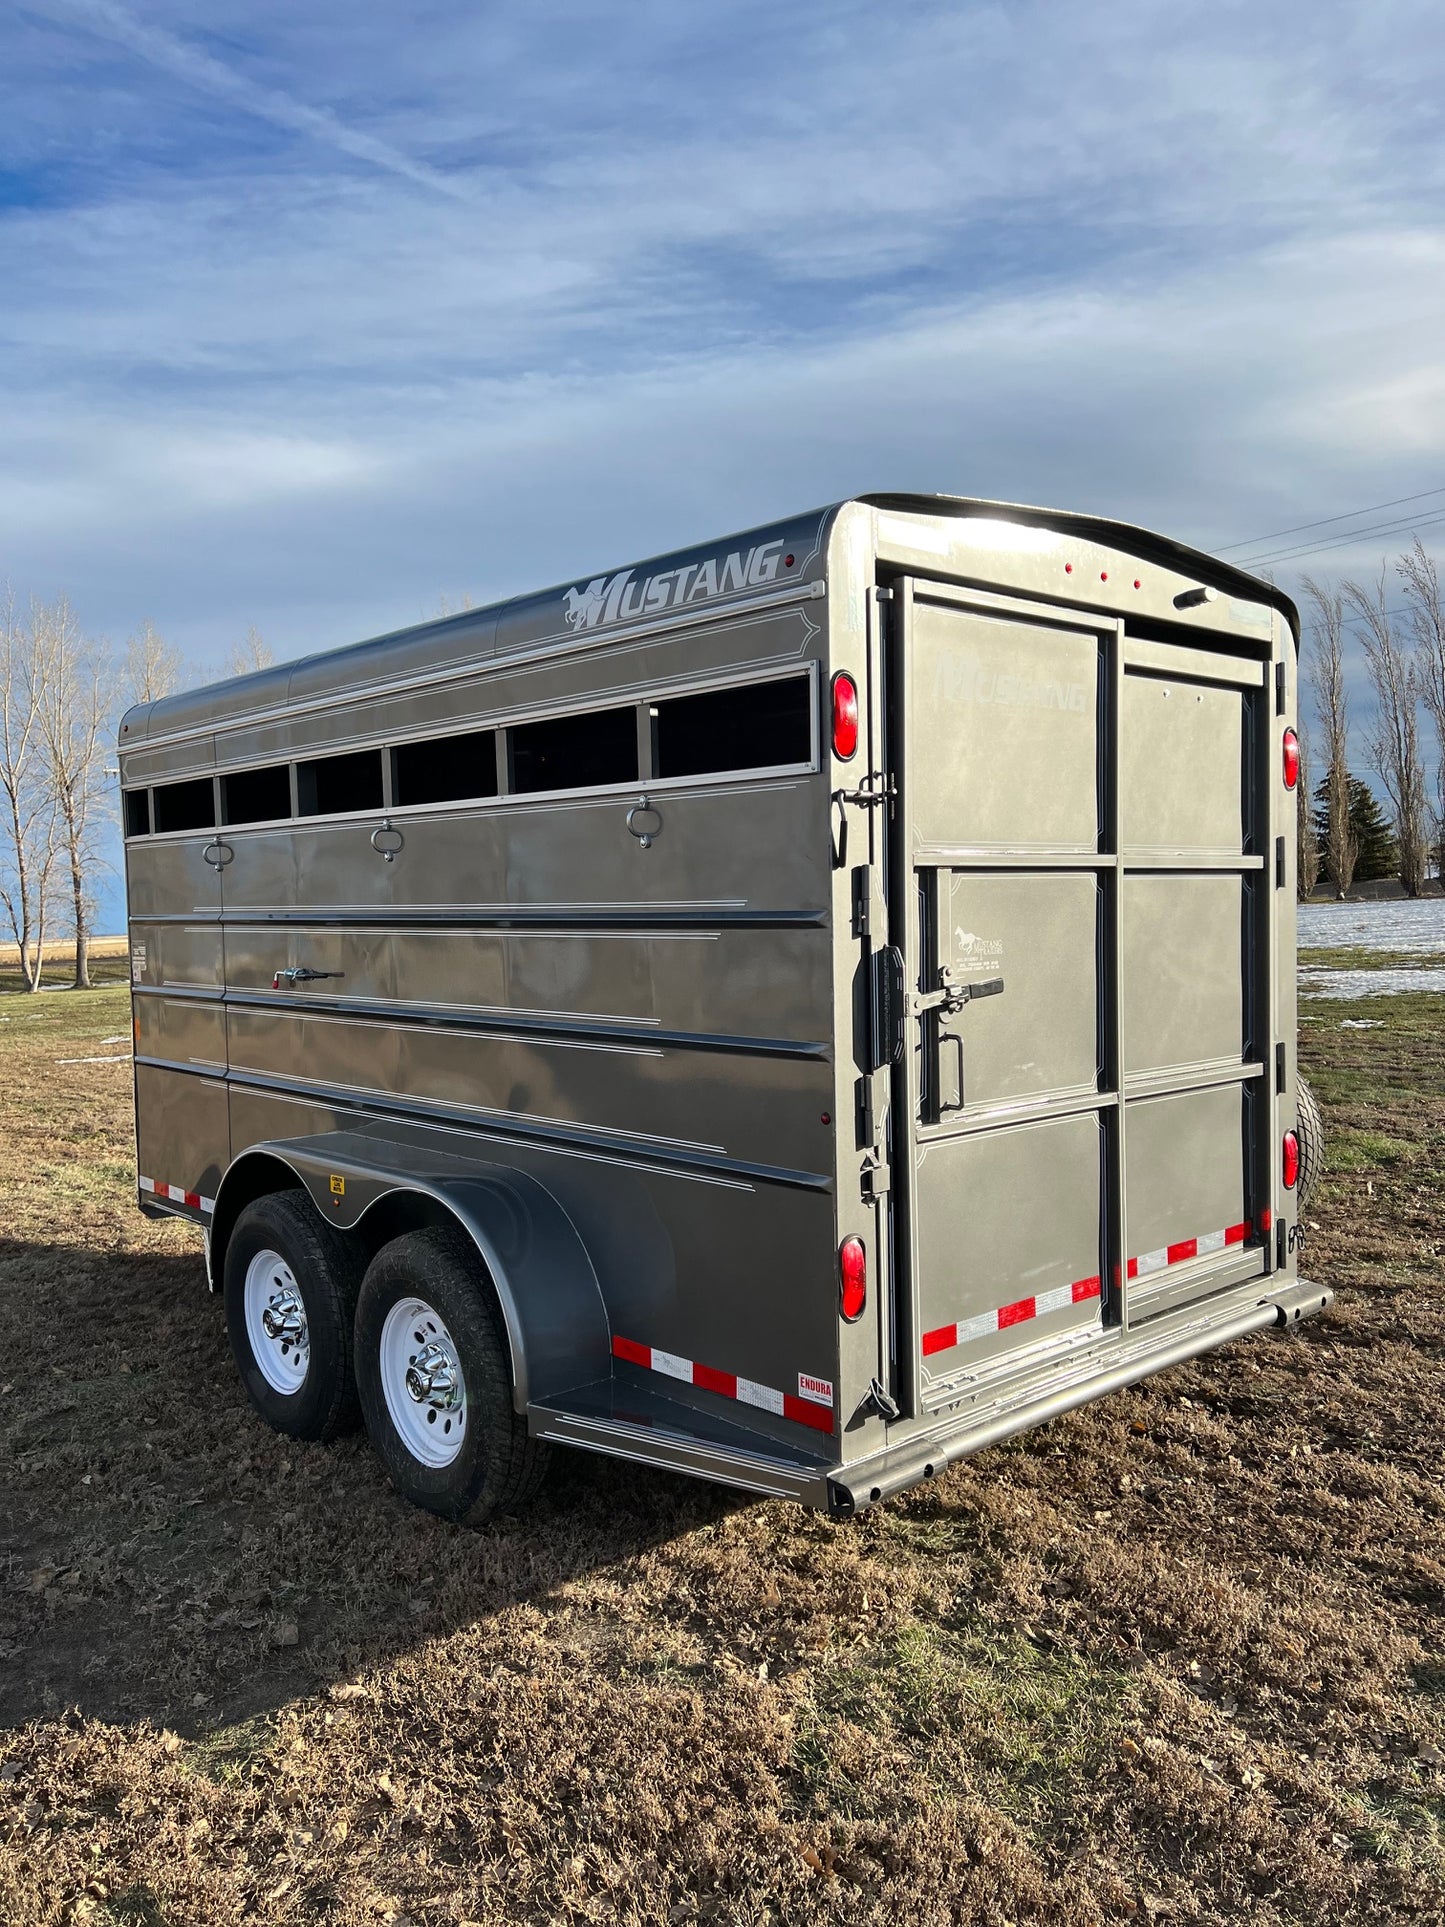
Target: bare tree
{"points": [[151, 668], [1395, 738], [28, 833], [1325, 669], [1427, 631], [252, 654], [1307, 842], [73, 717]]}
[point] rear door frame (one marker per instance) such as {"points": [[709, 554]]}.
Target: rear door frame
{"points": [[1110, 865]]}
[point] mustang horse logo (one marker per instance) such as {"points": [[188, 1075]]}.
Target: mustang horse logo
{"points": [[585, 606]]}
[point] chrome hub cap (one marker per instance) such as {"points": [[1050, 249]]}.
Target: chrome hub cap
{"points": [[276, 1322], [421, 1380]]}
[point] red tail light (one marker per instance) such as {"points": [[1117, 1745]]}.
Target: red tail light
{"points": [[852, 1278], [1290, 1160], [845, 716], [1291, 759]]}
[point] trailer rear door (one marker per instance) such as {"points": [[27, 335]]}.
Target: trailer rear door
{"points": [[1073, 890]]}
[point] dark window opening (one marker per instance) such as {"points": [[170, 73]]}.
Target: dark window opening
{"points": [[445, 769], [137, 806], [256, 795], [336, 785], [760, 726], [575, 752], [185, 806]]}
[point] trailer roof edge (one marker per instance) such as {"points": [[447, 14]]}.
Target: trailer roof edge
{"points": [[1143, 542]]}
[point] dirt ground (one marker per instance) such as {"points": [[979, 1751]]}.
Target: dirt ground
{"points": [[1176, 1657]]}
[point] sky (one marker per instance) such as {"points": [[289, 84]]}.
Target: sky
{"points": [[314, 316]]}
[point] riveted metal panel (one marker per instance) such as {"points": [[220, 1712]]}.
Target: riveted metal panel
{"points": [[1003, 731], [182, 1129], [185, 1031], [1183, 969], [1006, 1217], [1038, 934], [722, 1105], [568, 854], [176, 956], [1182, 783], [1186, 1171], [725, 983], [170, 876]]}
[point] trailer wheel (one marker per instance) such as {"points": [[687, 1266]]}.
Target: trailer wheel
{"points": [[435, 1379], [1311, 1133], [290, 1286]]}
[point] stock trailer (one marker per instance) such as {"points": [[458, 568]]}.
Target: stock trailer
{"points": [[795, 1011]]}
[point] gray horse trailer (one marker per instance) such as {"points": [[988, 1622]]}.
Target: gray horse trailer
{"points": [[794, 1011]]}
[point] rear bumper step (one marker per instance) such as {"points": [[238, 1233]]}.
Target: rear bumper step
{"points": [[855, 1487]]}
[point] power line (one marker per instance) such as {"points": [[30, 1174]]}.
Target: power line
{"points": [[1326, 520], [1341, 541]]}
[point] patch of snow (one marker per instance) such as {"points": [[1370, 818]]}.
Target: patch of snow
{"points": [[1369, 983], [1414, 929]]}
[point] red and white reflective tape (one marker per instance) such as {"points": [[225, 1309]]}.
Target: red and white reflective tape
{"points": [[1149, 1262], [176, 1195], [988, 1322], [815, 1408]]}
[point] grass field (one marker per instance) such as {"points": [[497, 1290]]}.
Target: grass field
{"points": [[109, 963], [1174, 1658]]}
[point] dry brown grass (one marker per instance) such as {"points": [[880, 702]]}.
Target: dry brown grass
{"points": [[1176, 1657]]}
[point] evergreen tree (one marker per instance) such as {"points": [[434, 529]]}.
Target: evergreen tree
{"points": [[1379, 853]]}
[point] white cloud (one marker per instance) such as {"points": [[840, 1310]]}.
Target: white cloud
{"points": [[188, 62]]}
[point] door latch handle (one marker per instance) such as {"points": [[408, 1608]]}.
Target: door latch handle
{"points": [[876, 789], [878, 1399], [302, 975], [950, 997]]}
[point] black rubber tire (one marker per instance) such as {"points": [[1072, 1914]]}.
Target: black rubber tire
{"points": [[500, 1465], [1310, 1130], [327, 1266]]}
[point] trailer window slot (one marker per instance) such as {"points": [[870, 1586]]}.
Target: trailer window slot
{"points": [[339, 785], [136, 805], [574, 752], [185, 806], [445, 769], [256, 795], [760, 725]]}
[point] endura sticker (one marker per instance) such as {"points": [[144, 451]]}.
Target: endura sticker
{"points": [[820, 1390]]}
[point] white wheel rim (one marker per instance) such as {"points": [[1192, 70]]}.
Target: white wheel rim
{"points": [[422, 1382], [276, 1322]]}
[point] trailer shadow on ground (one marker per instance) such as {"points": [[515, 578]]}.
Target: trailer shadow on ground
{"points": [[164, 1556]]}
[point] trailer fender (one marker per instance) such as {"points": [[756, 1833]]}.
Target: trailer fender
{"points": [[547, 1289]]}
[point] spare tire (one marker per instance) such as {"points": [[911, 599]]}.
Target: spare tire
{"points": [[1311, 1133]]}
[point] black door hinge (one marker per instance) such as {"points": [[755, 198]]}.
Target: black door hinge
{"points": [[862, 900]]}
